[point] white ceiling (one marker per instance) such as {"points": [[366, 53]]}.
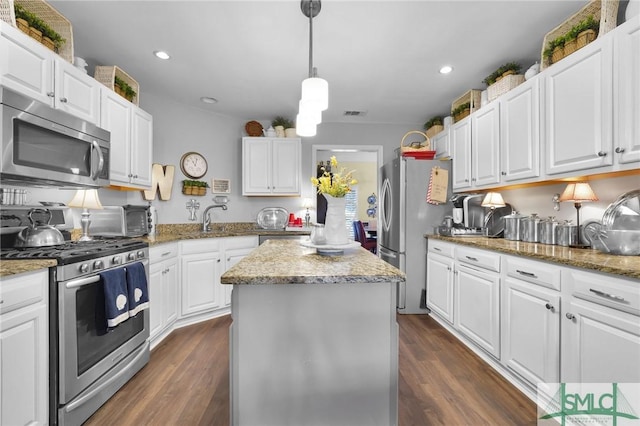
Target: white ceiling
{"points": [[381, 57]]}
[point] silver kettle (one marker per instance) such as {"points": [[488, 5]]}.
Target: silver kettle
{"points": [[39, 235]]}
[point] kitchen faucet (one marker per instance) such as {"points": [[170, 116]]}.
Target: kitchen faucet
{"points": [[206, 220]]}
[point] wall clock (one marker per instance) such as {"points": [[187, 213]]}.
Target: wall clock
{"points": [[193, 165]]}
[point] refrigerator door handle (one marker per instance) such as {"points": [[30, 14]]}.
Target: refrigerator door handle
{"points": [[386, 201], [401, 295]]}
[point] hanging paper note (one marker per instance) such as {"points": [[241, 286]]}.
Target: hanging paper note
{"points": [[438, 186]]}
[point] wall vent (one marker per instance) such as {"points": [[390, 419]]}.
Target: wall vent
{"points": [[354, 113]]}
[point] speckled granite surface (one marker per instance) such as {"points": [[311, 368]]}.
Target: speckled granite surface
{"points": [[12, 267], [287, 262], [628, 266]]}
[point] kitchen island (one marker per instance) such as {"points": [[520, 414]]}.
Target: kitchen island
{"points": [[314, 338]]}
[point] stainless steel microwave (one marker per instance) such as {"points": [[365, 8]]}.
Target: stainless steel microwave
{"points": [[46, 147]]}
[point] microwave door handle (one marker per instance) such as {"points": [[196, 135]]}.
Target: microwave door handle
{"points": [[95, 146]]}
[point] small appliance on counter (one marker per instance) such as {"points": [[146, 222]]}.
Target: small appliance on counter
{"points": [[122, 221]]}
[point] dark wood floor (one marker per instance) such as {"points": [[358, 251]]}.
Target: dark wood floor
{"points": [[441, 382]]}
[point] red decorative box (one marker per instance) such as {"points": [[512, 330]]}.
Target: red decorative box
{"points": [[420, 155]]}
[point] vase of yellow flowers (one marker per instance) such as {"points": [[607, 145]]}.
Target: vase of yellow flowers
{"points": [[334, 184]]}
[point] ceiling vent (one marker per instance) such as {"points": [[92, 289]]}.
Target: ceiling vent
{"points": [[354, 113]]}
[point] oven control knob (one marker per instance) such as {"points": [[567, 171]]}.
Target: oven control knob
{"points": [[116, 260], [140, 254], [98, 265], [131, 257], [83, 268]]}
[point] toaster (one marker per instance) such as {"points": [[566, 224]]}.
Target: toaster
{"points": [[121, 221]]}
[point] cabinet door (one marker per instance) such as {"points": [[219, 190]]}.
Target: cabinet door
{"points": [[25, 65], [285, 169], [170, 296], [578, 104], [156, 298], [600, 344], [256, 166], [440, 286], [460, 142], [520, 132], [115, 116], [141, 148], [531, 331], [24, 368], [200, 281], [485, 129], [233, 257], [441, 143], [626, 63], [76, 92], [477, 307]]}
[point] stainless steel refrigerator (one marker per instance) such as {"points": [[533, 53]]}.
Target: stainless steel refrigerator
{"points": [[405, 217]]}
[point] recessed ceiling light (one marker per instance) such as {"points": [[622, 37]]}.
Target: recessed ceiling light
{"points": [[208, 100], [446, 69], [161, 54]]}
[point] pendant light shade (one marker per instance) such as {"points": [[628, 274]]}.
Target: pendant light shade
{"points": [[305, 127], [309, 112], [315, 93]]}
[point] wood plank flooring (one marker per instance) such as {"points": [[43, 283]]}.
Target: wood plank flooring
{"points": [[441, 382]]}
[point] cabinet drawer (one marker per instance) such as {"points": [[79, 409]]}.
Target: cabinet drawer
{"points": [[163, 251], [22, 290], [616, 293], [200, 246], [241, 242], [539, 273], [481, 258], [441, 248]]}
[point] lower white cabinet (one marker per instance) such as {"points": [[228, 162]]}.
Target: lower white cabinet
{"points": [[440, 285], [24, 349], [200, 268], [236, 249], [163, 290]]}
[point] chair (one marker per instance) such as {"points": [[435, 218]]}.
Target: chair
{"points": [[360, 235]]}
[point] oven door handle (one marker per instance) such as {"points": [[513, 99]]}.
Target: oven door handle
{"points": [[82, 281]]}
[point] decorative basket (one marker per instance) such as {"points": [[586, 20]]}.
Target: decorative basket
{"points": [[423, 146], [106, 74], [503, 85], [472, 97], [604, 11], [53, 19], [434, 130], [7, 13], [194, 190]]}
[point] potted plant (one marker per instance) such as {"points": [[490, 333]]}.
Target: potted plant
{"points": [[281, 124], [587, 31], [461, 111], [123, 89], [433, 126], [509, 68], [36, 28], [555, 50], [194, 187]]}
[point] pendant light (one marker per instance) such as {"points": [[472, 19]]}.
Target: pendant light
{"points": [[315, 90]]}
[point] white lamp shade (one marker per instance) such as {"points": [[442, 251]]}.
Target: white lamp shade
{"points": [[493, 200], [309, 113], [305, 127], [578, 192], [315, 91], [307, 203], [86, 199]]}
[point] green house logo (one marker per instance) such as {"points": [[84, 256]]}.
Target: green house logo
{"points": [[589, 404]]}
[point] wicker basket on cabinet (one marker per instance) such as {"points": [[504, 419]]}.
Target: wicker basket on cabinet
{"points": [[472, 97], [106, 74], [7, 13]]}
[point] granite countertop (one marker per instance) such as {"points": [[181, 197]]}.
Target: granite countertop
{"points": [[13, 267], [287, 262], [628, 266]]}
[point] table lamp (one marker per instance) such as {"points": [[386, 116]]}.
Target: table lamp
{"points": [[492, 200], [578, 193], [307, 203], [86, 199]]}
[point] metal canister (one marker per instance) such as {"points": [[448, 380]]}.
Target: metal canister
{"points": [[530, 228], [512, 226], [567, 234], [547, 230]]}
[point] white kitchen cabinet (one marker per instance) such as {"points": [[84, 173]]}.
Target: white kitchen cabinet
{"points": [[271, 166], [24, 349], [163, 290], [530, 307], [600, 328], [440, 143], [29, 68], [460, 143], [626, 64], [477, 297], [578, 106], [200, 270], [485, 152], [440, 285], [235, 249], [131, 140], [520, 132]]}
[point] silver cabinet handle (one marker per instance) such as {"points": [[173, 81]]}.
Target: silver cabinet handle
{"points": [[602, 154], [472, 258], [437, 249], [607, 295], [526, 274], [503, 173], [63, 100], [166, 253], [570, 316], [619, 150], [549, 306], [466, 180], [50, 94]]}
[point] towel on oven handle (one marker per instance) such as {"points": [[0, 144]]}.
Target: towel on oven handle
{"points": [[116, 301], [137, 288]]}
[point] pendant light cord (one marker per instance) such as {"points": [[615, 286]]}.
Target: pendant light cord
{"points": [[311, 39]]}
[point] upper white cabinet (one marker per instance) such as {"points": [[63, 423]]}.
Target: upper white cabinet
{"points": [[131, 140], [271, 166], [460, 143], [520, 132], [485, 152], [578, 105], [35, 71], [626, 62], [440, 143]]}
